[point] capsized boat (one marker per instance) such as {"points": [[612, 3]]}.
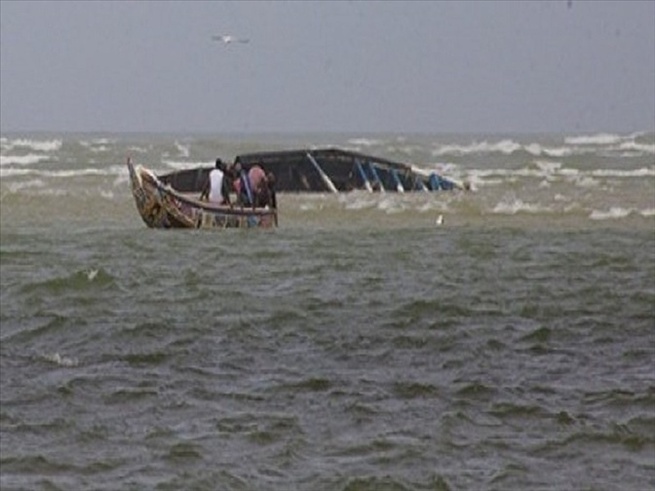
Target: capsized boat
{"points": [[163, 205], [332, 170]]}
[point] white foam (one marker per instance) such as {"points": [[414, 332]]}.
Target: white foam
{"points": [[548, 166], [536, 149], [633, 148], [183, 150], [29, 159], [643, 172], [390, 205], [37, 145], [62, 361], [514, 206], [613, 213], [433, 205], [478, 178], [442, 168], [311, 206], [598, 139], [512, 173], [550, 170], [96, 141], [505, 147], [97, 145], [585, 181], [181, 165], [136, 149], [99, 149], [569, 172], [114, 170], [408, 150], [10, 172], [360, 204], [76, 173], [364, 142], [558, 152]]}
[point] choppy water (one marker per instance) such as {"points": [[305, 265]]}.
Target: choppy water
{"points": [[357, 347]]}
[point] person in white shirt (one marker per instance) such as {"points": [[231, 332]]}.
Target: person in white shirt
{"points": [[217, 190]]}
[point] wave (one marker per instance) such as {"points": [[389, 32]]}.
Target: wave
{"points": [[96, 148], [617, 212], [180, 165], [572, 146], [635, 148], [77, 281], [614, 143], [62, 361], [37, 145], [446, 210], [537, 149], [546, 169], [97, 143], [506, 147], [643, 172], [512, 207], [28, 159], [364, 142], [597, 139], [114, 170], [182, 149], [585, 181]]}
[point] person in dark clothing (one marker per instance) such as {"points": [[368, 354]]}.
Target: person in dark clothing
{"points": [[270, 184], [242, 186]]}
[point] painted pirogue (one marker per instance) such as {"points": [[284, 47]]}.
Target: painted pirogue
{"points": [[161, 205]]}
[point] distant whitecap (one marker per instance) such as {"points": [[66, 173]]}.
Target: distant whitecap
{"points": [[62, 361]]}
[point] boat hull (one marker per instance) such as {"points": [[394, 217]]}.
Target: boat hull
{"points": [[162, 206], [327, 170]]}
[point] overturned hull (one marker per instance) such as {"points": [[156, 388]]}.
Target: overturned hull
{"points": [[326, 170]]}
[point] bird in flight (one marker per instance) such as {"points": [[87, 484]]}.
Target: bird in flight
{"points": [[230, 39]]}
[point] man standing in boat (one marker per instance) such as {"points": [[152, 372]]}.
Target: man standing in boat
{"points": [[217, 188], [252, 186], [258, 186]]}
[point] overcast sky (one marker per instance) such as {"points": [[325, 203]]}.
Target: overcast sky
{"points": [[346, 66]]}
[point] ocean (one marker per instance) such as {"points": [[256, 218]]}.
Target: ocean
{"points": [[497, 339]]}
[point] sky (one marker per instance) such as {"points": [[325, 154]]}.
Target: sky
{"points": [[561, 66]]}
